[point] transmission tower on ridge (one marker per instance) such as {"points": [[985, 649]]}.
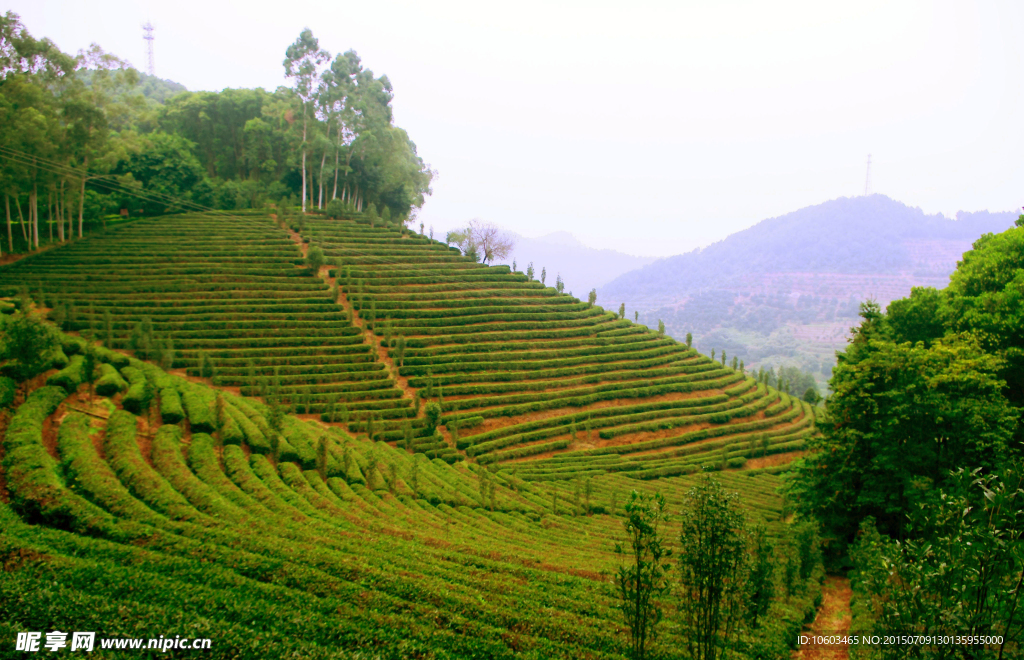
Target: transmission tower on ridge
{"points": [[148, 28], [867, 178]]}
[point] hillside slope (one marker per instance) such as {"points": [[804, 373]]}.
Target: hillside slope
{"points": [[134, 524], [517, 371], [232, 291], [460, 497], [788, 288]]}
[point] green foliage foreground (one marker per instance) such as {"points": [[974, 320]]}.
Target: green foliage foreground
{"points": [[962, 577], [731, 599], [918, 464], [930, 386]]}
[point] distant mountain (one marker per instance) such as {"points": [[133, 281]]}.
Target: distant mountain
{"points": [[582, 268], [787, 289]]}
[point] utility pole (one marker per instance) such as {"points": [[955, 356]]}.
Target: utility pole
{"points": [[867, 179], [148, 28]]}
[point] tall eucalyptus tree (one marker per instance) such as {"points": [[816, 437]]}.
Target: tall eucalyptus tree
{"points": [[303, 61]]}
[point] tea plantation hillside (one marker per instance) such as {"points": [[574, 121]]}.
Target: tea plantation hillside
{"points": [[518, 370], [232, 289], [521, 370], [145, 502]]}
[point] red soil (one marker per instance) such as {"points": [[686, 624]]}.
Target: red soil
{"points": [[833, 619], [144, 438], [775, 459]]}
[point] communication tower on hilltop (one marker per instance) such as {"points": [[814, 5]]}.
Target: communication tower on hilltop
{"points": [[867, 178], [148, 29]]}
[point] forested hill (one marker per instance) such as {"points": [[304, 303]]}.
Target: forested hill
{"points": [[787, 290], [155, 90], [87, 139], [871, 235]]}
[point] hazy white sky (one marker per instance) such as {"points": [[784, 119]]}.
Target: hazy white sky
{"points": [[648, 127]]}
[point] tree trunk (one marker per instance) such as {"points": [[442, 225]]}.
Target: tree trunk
{"points": [[336, 155], [10, 236], [81, 206], [303, 159], [323, 161], [58, 210], [62, 209], [68, 219], [21, 221], [348, 160], [29, 223], [320, 202], [35, 213], [49, 208]]}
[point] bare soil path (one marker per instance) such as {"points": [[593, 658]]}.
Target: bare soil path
{"points": [[381, 350], [833, 619]]}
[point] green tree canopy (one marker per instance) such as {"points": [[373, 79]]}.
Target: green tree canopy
{"points": [[986, 296], [643, 579], [712, 567], [167, 169], [900, 418], [80, 137], [963, 570]]}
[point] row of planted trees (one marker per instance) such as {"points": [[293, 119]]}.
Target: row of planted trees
{"points": [[58, 130], [346, 118], [724, 580]]}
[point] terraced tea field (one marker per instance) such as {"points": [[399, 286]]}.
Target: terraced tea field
{"points": [[320, 547], [153, 500], [519, 370], [232, 288]]}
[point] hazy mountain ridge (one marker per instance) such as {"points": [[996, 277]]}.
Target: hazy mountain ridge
{"points": [[582, 268], [787, 289], [852, 235]]}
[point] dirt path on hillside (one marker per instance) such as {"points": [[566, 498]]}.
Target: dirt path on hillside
{"points": [[383, 352], [51, 425], [370, 338], [833, 619], [144, 430]]}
